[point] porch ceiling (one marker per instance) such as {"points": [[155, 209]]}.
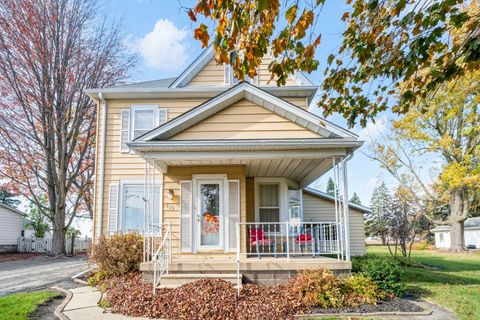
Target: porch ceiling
{"points": [[303, 171]]}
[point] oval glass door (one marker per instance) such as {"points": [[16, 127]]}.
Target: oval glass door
{"points": [[211, 203]]}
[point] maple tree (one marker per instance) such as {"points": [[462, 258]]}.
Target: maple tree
{"points": [[50, 51], [442, 128], [422, 43]]}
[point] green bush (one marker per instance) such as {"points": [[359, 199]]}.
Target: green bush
{"points": [[96, 278], [322, 289], [359, 290], [317, 288], [118, 254], [386, 273]]}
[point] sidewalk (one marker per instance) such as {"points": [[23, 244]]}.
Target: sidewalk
{"points": [[83, 305]]}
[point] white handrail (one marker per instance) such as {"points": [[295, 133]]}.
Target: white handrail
{"points": [[290, 239], [239, 283], [162, 257]]}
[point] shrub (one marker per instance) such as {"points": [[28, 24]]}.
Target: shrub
{"points": [[386, 273], [317, 288], [118, 254], [96, 278], [359, 290], [422, 245]]}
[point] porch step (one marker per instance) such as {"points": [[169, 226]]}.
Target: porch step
{"points": [[173, 280]]}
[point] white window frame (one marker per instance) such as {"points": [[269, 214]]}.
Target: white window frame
{"points": [[143, 107], [121, 199], [234, 81]]}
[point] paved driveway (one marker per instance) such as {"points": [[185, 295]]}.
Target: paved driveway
{"points": [[37, 273]]}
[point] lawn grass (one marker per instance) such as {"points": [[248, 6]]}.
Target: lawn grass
{"points": [[453, 280], [20, 306]]}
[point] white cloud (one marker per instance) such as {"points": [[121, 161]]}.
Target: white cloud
{"points": [[373, 131], [164, 48]]}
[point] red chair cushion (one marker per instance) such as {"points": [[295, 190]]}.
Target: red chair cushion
{"points": [[304, 238]]}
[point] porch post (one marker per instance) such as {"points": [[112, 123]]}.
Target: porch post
{"points": [[346, 213]]}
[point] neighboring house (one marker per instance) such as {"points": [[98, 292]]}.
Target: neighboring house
{"points": [[11, 227], [471, 229], [218, 170]]}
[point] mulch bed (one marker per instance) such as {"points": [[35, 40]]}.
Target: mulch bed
{"points": [[387, 305], [4, 257]]}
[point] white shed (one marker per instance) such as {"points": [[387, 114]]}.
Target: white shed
{"points": [[471, 228], [11, 226]]}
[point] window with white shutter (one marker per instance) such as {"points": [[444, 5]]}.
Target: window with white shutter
{"points": [[113, 208], [186, 216], [233, 213], [138, 120], [125, 130]]}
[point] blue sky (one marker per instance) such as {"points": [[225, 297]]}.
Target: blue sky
{"points": [[162, 36]]}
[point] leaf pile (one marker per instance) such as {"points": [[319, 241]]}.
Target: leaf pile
{"points": [[202, 299]]}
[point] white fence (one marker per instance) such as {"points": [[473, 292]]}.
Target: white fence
{"points": [[42, 245]]}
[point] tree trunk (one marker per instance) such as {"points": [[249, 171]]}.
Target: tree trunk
{"points": [[459, 213], [58, 236]]}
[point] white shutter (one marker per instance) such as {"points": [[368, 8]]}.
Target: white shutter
{"points": [[186, 215], [113, 208], [226, 74], [233, 213], [161, 116], [125, 130]]}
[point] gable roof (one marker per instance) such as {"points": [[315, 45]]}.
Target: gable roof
{"points": [[329, 197], [15, 210], [205, 57], [256, 95]]}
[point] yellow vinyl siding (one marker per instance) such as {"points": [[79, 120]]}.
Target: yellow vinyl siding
{"points": [[316, 209], [213, 75], [245, 120], [126, 166], [171, 207]]}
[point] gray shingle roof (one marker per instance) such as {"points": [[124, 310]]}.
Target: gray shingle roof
{"points": [[161, 83]]}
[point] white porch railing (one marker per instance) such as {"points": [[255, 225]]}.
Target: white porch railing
{"points": [[162, 257], [151, 242], [287, 239]]}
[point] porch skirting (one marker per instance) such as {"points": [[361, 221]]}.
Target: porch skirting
{"points": [[266, 271]]}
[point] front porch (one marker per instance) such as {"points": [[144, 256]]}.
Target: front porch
{"points": [[267, 270], [218, 221]]}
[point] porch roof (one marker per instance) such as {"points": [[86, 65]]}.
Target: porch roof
{"points": [[301, 160]]}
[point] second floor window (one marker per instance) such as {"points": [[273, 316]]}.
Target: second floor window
{"points": [[231, 80], [138, 120]]}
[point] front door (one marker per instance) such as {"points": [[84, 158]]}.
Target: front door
{"points": [[209, 209]]}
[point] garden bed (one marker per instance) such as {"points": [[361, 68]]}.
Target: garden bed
{"points": [[388, 305], [217, 299]]}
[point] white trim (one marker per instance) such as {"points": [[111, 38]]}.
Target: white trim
{"points": [[253, 155], [222, 180], [121, 203], [193, 69], [283, 195], [142, 107], [260, 97]]}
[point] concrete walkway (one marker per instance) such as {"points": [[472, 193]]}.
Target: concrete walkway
{"points": [[83, 305]]}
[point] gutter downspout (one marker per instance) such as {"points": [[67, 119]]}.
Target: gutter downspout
{"points": [[101, 165], [346, 212]]}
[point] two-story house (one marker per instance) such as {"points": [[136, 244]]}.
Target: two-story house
{"points": [[215, 173]]}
